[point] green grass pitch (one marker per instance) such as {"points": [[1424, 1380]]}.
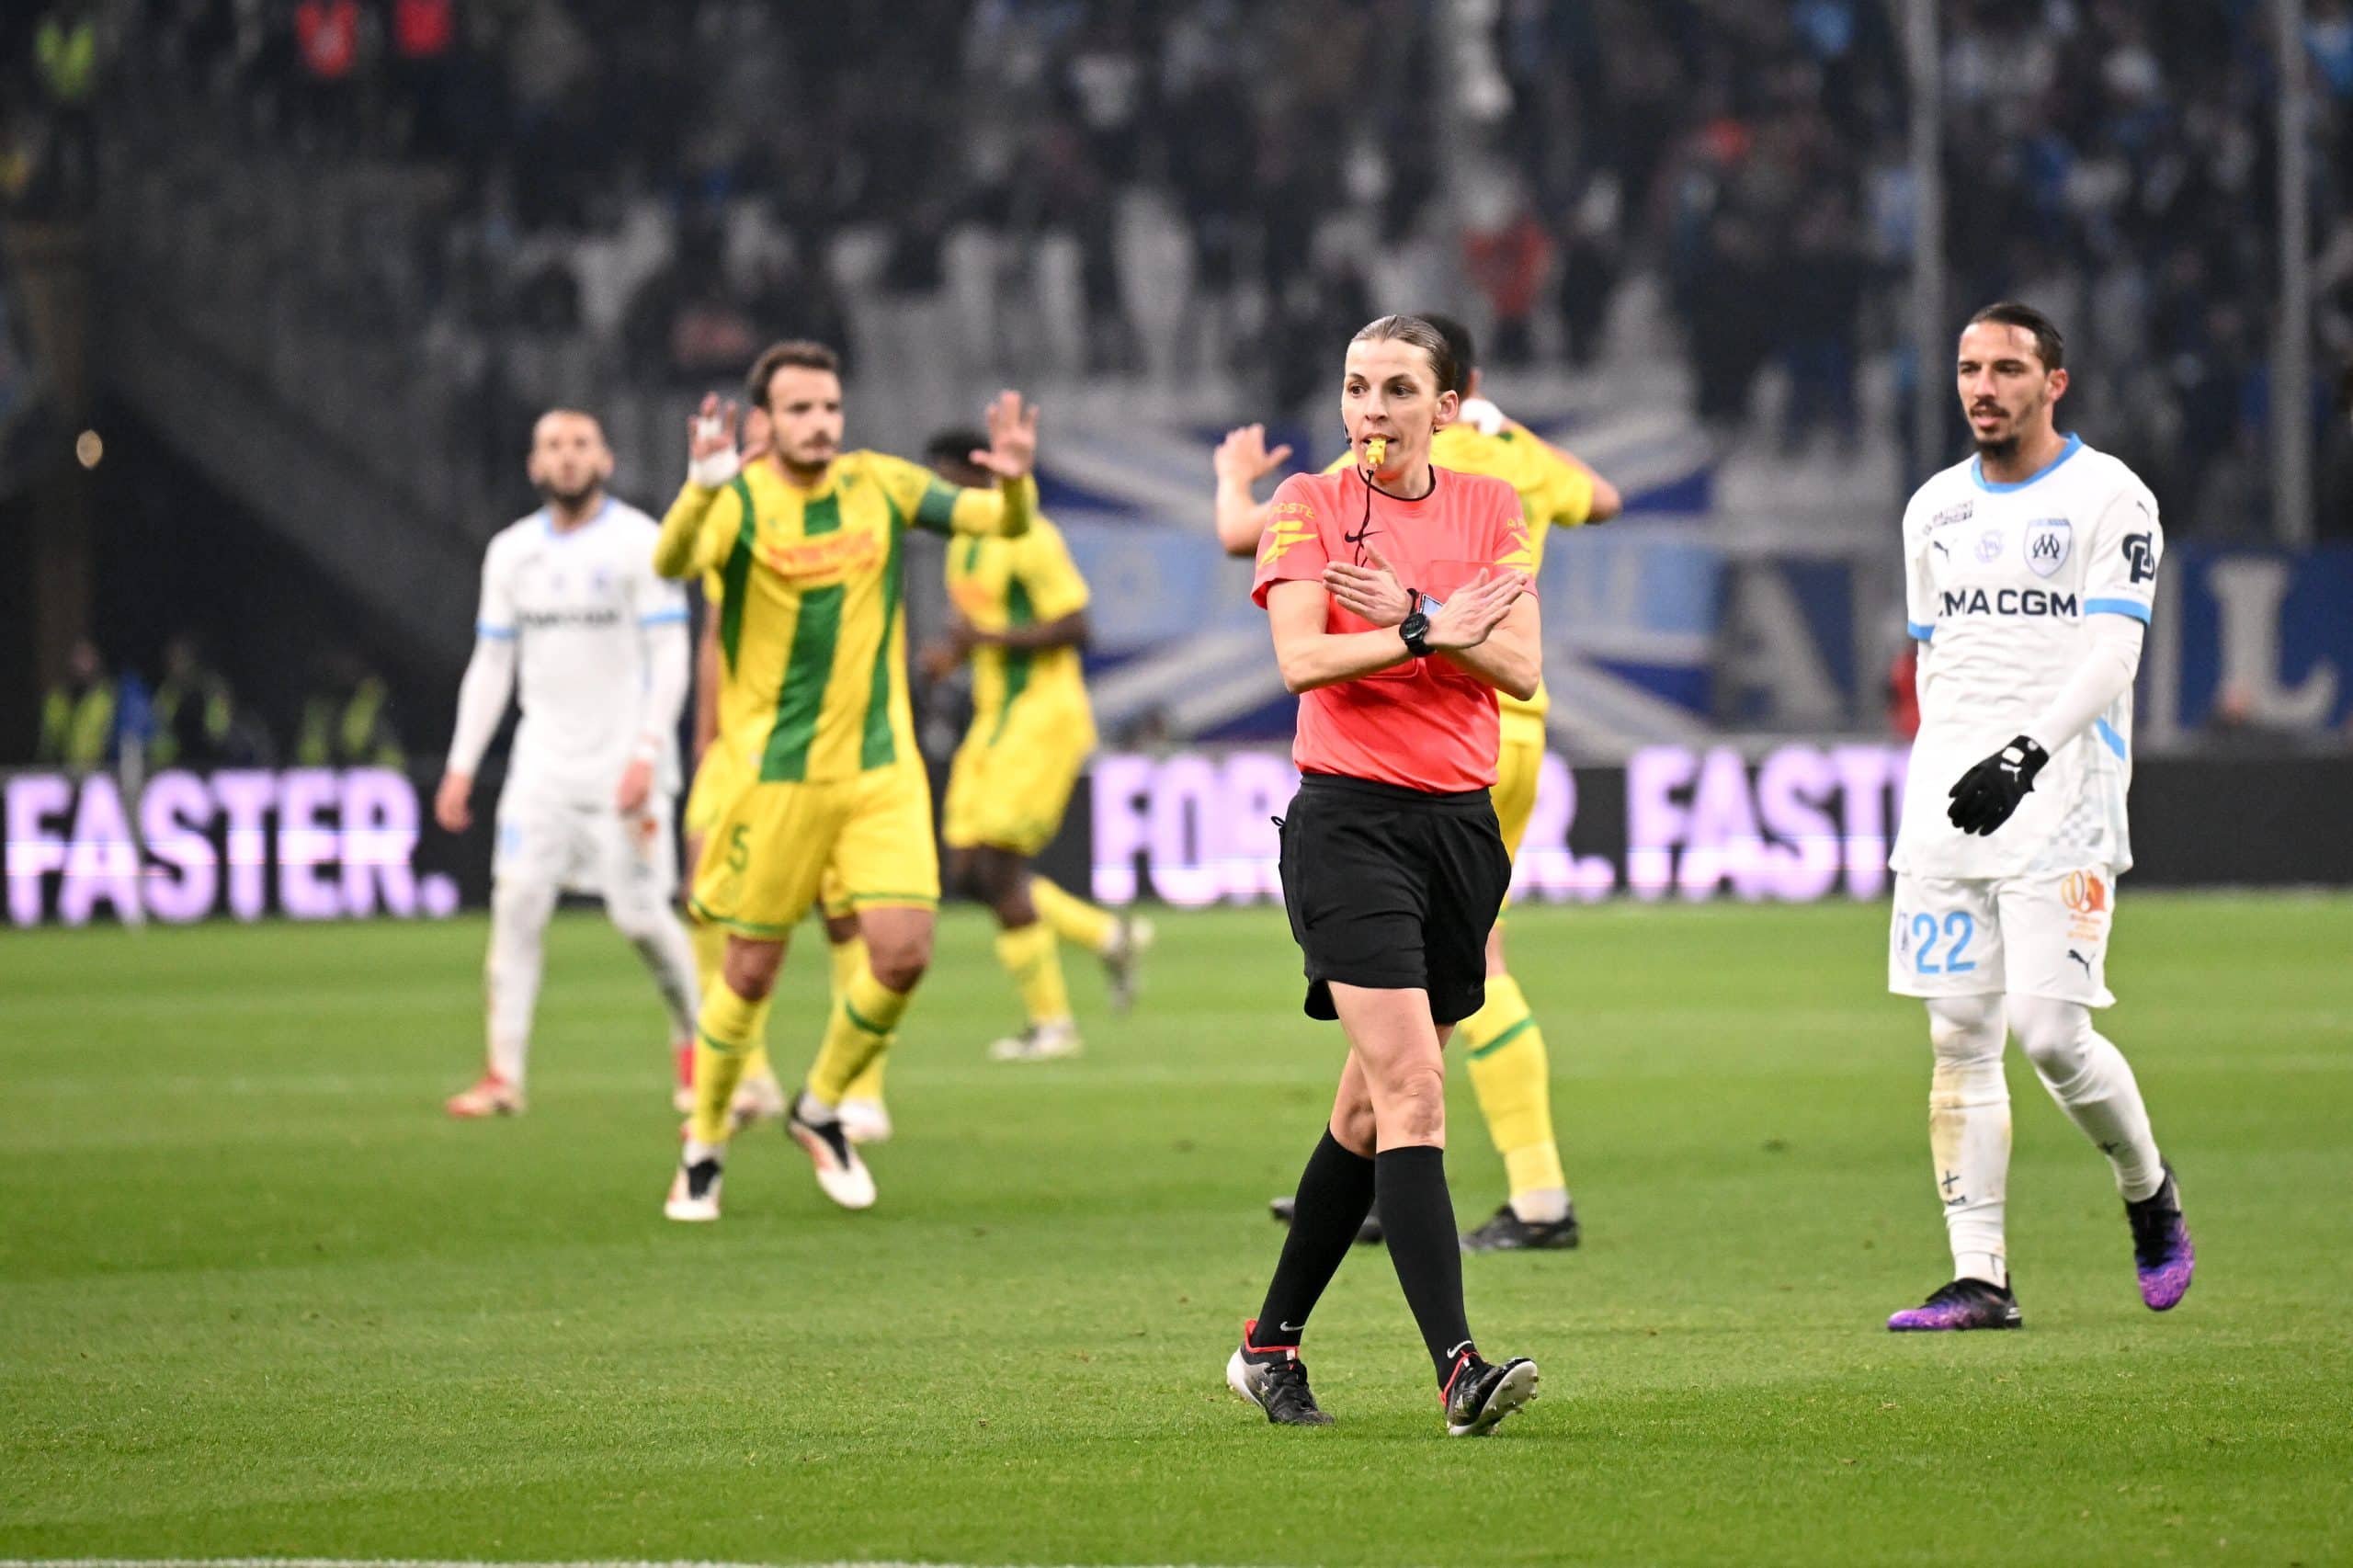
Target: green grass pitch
{"points": [[258, 1296]]}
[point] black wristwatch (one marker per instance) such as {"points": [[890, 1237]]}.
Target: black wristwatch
{"points": [[1415, 630]]}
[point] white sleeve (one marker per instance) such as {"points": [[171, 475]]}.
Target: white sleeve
{"points": [[2105, 675], [496, 619], [490, 674], [481, 701], [2127, 542], [669, 659], [1919, 593]]}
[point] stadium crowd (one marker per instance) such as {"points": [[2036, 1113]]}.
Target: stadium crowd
{"points": [[612, 195], [1170, 186], [191, 715]]}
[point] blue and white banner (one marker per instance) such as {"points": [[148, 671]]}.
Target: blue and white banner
{"points": [[2250, 641]]}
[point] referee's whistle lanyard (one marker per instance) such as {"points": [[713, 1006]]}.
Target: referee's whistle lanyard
{"points": [[1364, 523]]}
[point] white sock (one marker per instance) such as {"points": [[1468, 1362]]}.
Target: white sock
{"points": [[695, 1154], [519, 923], [669, 956], [1544, 1206], [1969, 1133], [814, 1111], [2094, 1085]]}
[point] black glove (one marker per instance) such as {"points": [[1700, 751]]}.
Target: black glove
{"points": [[1987, 794]]}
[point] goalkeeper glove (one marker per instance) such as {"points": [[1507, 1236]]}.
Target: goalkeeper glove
{"points": [[1985, 796]]}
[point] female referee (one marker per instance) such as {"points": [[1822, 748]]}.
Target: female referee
{"points": [[1400, 601]]}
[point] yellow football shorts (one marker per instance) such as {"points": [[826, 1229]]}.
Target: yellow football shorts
{"points": [[833, 901], [1008, 788], [772, 847], [717, 778]]}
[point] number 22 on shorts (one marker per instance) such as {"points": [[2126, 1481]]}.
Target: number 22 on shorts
{"points": [[1954, 933]]}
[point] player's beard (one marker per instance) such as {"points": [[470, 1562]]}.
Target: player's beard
{"points": [[2001, 449], [571, 500], [810, 460]]}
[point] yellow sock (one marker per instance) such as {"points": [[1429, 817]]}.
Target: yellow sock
{"points": [[1072, 918], [724, 1036], [710, 962], [711, 951], [848, 958], [1511, 1076], [858, 1031], [1032, 955]]}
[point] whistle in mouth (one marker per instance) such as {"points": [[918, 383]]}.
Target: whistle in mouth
{"points": [[1376, 448]]}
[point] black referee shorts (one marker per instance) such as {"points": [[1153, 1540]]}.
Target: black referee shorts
{"points": [[1393, 889]]}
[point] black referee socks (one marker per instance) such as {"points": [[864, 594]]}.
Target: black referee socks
{"points": [[1335, 1195], [1418, 1215]]}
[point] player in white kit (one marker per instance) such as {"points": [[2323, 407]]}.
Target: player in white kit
{"points": [[2030, 571], [573, 613]]}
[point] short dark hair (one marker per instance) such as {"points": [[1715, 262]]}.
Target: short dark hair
{"points": [[2049, 345], [955, 445], [1418, 332], [1457, 339], [796, 351]]}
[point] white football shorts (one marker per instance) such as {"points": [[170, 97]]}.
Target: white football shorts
{"points": [[589, 848], [2044, 935]]}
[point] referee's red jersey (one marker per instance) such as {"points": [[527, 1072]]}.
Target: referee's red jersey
{"points": [[1422, 723]]}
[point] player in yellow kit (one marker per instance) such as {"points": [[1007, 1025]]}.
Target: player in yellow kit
{"points": [[716, 780], [813, 713], [1018, 613], [1509, 1068]]}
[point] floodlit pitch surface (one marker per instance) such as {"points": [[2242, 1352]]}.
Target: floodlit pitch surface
{"points": [[259, 1296]]}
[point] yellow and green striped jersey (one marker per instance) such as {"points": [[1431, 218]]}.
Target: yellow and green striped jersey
{"points": [[1553, 491], [1003, 585], [811, 608]]}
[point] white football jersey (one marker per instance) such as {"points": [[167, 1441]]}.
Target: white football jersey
{"points": [[2000, 581], [583, 609]]}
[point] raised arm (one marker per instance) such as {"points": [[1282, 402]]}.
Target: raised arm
{"points": [[1240, 461], [1602, 501], [1006, 511], [686, 546]]}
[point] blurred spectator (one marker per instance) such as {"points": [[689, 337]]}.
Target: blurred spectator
{"points": [[326, 40], [424, 37], [78, 715], [348, 723], [1820, 304], [1506, 252], [1047, 185], [196, 720], [65, 54]]}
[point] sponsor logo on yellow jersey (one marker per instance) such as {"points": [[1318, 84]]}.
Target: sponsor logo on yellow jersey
{"points": [[826, 558]]}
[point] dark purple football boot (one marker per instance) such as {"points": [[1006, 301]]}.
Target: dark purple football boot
{"points": [[1964, 1303], [2162, 1253]]}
